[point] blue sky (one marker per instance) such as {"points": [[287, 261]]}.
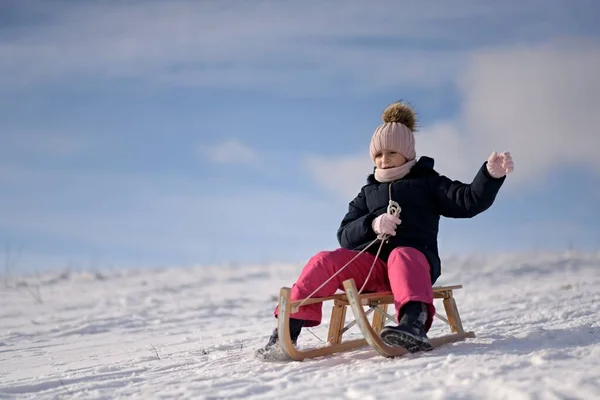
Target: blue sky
{"points": [[178, 133]]}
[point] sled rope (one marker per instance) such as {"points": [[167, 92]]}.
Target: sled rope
{"points": [[383, 237], [392, 209], [315, 335], [337, 272]]}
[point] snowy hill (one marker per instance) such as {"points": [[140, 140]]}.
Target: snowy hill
{"points": [[191, 333]]}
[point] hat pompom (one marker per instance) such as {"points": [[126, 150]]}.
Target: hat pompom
{"points": [[402, 113]]}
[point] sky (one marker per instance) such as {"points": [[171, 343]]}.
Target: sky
{"points": [[153, 133]]}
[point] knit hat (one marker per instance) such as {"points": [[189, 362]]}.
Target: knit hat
{"points": [[396, 132]]}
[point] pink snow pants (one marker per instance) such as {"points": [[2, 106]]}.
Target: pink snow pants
{"points": [[406, 274]]}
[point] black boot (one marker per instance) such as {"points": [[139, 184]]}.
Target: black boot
{"points": [[410, 332], [295, 329]]}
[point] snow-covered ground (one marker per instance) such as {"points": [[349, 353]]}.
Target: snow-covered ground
{"points": [[191, 333]]}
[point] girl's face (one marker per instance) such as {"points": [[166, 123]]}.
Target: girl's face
{"points": [[389, 159]]}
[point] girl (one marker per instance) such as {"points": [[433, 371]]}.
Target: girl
{"points": [[408, 262]]}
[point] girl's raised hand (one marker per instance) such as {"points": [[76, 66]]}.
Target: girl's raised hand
{"points": [[499, 165]]}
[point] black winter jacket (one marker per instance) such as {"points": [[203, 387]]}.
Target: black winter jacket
{"points": [[424, 196]]}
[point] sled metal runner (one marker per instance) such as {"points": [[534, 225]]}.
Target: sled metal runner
{"points": [[377, 302]]}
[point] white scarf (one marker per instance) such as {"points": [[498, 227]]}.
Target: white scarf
{"points": [[393, 174]]}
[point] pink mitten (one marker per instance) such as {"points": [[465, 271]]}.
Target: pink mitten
{"points": [[499, 165], [385, 224]]}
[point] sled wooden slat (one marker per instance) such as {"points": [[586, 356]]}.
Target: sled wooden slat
{"points": [[439, 292], [370, 330]]}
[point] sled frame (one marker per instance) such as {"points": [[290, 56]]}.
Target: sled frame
{"points": [[377, 303]]}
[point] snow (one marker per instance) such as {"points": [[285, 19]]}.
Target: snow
{"points": [[192, 333]]}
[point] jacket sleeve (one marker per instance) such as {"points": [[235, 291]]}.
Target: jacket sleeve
{"points": [[460, 200], [355, 228]]}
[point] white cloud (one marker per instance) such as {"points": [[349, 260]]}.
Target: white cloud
{"points": [[343, 175], [444, 142], [538, 102], [231, 152], [260, 44]]}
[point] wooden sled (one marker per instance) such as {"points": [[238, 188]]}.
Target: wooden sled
{"points": [[377, 303]]}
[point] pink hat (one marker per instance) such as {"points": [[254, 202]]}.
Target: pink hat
{"points": [[396, 132]]}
